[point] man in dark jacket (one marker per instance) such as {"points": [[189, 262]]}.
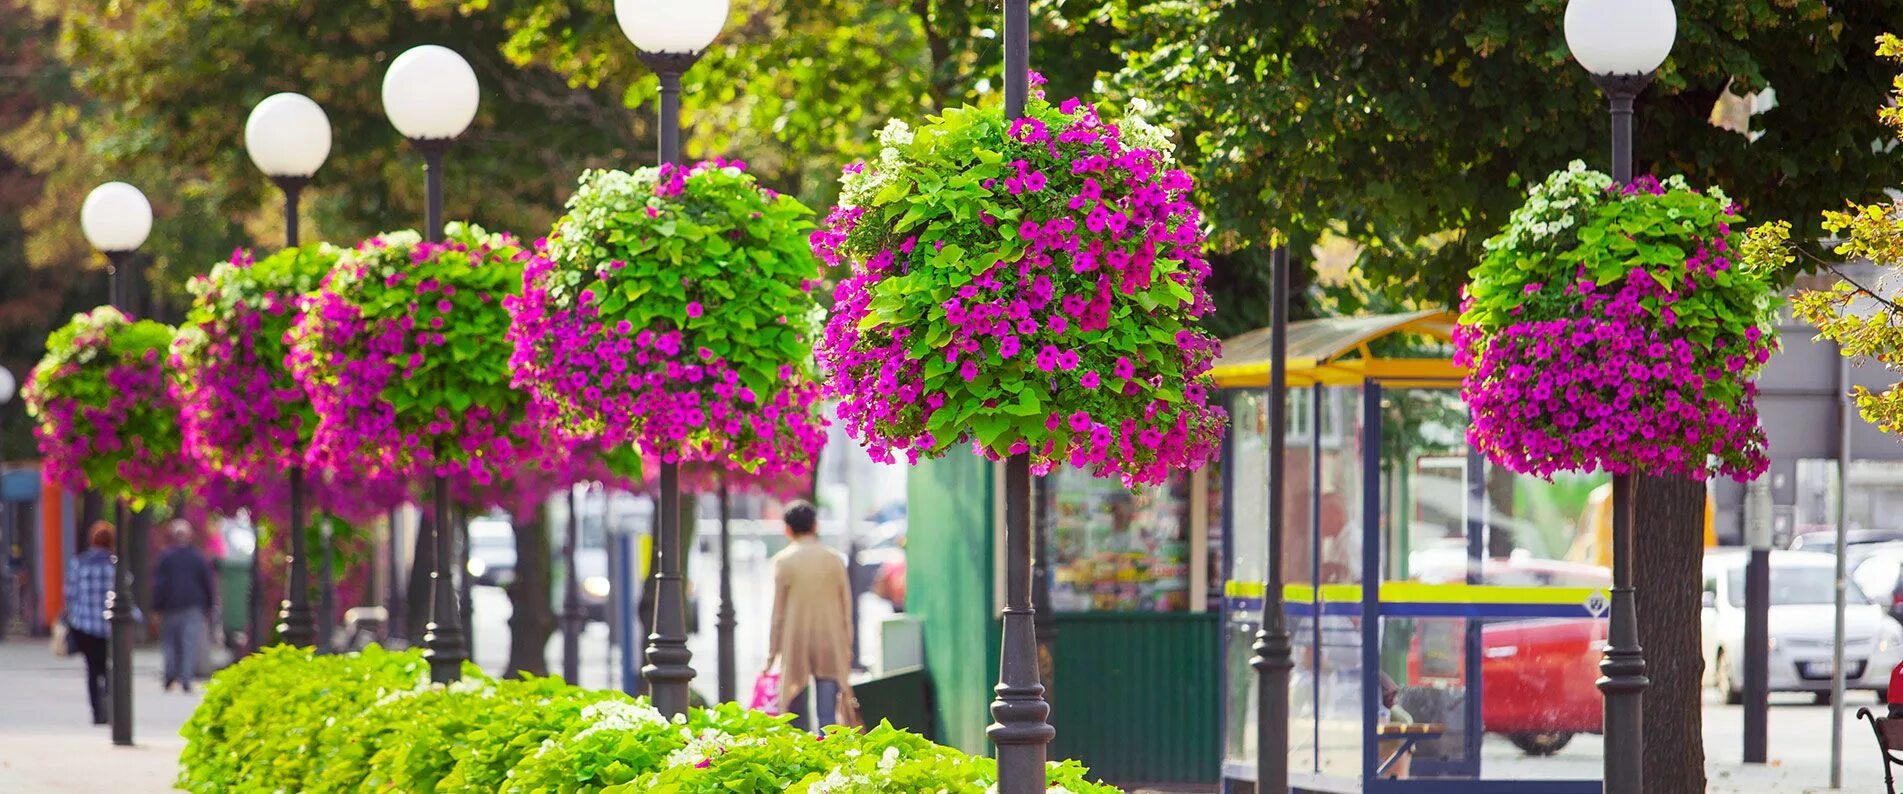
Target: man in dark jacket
{"points": [[182, 591]]}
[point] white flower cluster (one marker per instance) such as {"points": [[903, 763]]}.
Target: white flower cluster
{"points": [[1138, 132], [710, 743], [857, 189], [838, 782], [616, 715], [1553, 206]]}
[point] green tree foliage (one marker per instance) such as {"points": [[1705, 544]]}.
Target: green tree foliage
{"points": [[799, 89], [1413, 127], [1863, 319]]}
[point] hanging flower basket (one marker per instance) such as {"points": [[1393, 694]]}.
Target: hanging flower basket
{"points": [[106, 419], [1614, 328], [671, 311], [1029, 286], [402, 353], [245, 419]]}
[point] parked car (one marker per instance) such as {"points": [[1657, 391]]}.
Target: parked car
{"points": [[491, 551], [1877, 568], [1539, 674], [1801, 627]]}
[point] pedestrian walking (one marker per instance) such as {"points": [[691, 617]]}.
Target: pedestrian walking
{"points": [[182, 592], [812, 626], [88, 580]]}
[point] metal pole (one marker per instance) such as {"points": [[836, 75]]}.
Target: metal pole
{"points": [[571, 597], [1837, 583], [1622, 677], [1045, 621], [1020, 716], [443, 643], [119, 603], [1622, 670], [295, 627], [464, 599], [724, 617], [668, 670], [1757, 625], [432, 150], [394, 601], [119, 611], [1273, 659]]}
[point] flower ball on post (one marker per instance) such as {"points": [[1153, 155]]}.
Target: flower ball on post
{"points": [[1616, 328], [1029, 286], [400, 352], [672, 311], [106, 419], [673, 314]]}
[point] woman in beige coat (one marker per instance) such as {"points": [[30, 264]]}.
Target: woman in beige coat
{"points": [[812, 624]]}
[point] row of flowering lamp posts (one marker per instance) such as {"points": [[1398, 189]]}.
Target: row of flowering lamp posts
{"points": [[431, 95]]}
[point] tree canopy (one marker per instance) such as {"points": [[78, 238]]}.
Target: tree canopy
{"points": [[1410, 128], [1415, 127]]}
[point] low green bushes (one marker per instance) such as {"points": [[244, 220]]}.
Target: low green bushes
{"points": [[285, 720]]}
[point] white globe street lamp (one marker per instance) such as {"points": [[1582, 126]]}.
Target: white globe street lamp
{"points": [[1620, 36], [430, 94], [288, 136], [670, 35], [671, 26], [116, 219], [1622, 43]]}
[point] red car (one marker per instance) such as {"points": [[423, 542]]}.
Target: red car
{"points": [[1539, 673]]}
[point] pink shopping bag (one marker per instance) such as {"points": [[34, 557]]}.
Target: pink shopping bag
{"points": [[766, 693]]}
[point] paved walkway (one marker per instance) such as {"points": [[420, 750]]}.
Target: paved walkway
{"points": [[48, 744]]}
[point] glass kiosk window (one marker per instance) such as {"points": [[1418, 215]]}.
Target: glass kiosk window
{"points": [[1117, 549]]}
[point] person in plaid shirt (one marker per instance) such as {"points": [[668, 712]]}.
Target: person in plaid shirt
{"points": [[88, 581]]}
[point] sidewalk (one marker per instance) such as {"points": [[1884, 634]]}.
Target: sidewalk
{"points": [[48, 744]]}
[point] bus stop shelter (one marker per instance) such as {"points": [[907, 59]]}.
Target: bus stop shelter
{"points": [[1422, 663]]}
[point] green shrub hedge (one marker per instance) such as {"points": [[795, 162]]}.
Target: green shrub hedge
{"points": [[284, 720]]}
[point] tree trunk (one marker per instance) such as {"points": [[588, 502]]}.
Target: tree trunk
{"points": [[423, 560], [532, 611], [1669, 536], [1500, 482]]}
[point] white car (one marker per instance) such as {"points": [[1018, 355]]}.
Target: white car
{"points": [[1800, 627]]}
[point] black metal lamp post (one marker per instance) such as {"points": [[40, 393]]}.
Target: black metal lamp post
{"points": [[116, 219], [430, 95], [1622, 43], [572, 617], [288, 137], [670, 35], [1020, 717], [1273, 652]]}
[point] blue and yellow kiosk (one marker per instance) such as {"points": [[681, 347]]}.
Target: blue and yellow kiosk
{"points": [[1403, 620]]}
